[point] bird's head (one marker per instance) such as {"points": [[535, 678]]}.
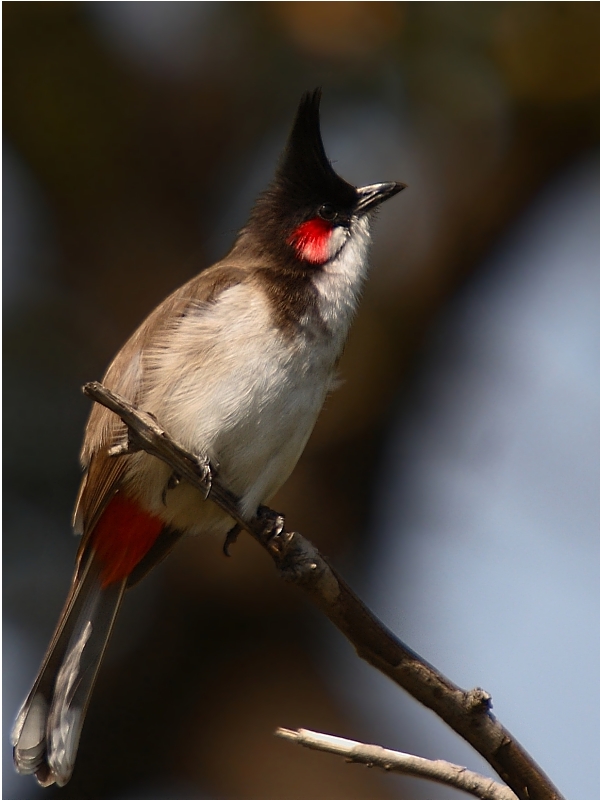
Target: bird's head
{"points": [[309, 212]]}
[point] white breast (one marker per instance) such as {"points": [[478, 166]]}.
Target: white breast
{"points": [[228, 383]]}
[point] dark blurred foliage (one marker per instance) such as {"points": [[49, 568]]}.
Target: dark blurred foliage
{"points": [[135, 137]]}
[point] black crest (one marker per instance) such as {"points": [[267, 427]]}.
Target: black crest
{"points": [[304, 181], [305, 173]]}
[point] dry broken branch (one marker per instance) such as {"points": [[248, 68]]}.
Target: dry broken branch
{"points": [[299, 562], [393, 761]]}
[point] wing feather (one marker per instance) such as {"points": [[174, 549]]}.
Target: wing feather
{"points": [[127, 375]]}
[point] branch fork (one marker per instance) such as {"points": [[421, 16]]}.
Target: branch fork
{"points": [[299, 562]]}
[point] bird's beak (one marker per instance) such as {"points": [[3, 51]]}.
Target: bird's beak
{"points": [[369, 197]]}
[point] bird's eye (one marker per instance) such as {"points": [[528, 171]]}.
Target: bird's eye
{"points": [[327, 212]]}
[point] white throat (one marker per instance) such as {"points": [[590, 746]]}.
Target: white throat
{"points": [[339, 281]]}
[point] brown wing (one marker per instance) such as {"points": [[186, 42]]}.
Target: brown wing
{"points": [[125, 376]]}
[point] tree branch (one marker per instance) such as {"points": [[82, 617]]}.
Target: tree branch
{"points": [[393, 761], [299, 562]]}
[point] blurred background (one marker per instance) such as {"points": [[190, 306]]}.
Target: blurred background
{"points": [[453, 478]]}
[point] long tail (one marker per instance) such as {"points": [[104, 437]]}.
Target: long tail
{"points": [[47, 730]]}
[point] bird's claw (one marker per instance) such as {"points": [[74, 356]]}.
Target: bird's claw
{"points": [[207, 474]]}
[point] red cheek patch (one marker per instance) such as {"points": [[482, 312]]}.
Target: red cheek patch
{"points": [[122, 537], [311, 240]]}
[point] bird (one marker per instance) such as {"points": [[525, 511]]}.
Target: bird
{"points": [[235, 365]]}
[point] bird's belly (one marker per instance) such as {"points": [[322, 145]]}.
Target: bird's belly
{"points": [[258, 454], [254, 452]]}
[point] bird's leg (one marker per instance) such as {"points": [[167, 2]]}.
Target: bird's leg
{"points": [[172, 483], [231, 538]]}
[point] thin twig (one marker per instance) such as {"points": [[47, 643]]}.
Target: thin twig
{"points": [[298, 561], [393, 761]]}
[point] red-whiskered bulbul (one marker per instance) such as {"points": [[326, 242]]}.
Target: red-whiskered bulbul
{"points": [[235, 365]]}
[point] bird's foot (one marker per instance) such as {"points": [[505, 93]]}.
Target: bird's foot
{"points": [[273, 525]]}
